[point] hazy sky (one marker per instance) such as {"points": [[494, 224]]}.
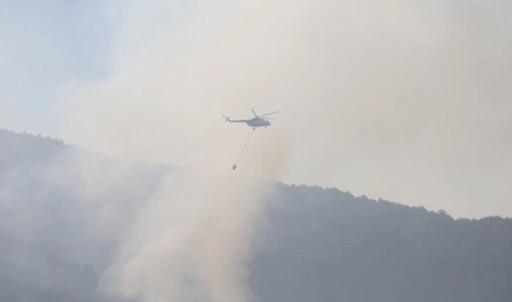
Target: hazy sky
{"points": [[403, 100]]}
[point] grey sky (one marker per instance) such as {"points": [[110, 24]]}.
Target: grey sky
{"points": [[44, 45], [407, 100]]}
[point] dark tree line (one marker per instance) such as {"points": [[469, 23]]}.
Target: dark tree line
{"points": [[327, 245]]}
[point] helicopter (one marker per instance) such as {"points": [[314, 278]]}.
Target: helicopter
{"points": [[255, 122]]}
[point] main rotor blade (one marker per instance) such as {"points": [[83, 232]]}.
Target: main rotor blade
{"points": [[269, 113], [254, 112]]}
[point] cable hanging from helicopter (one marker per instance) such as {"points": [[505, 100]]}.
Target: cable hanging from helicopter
{"points": [[242, 150]]}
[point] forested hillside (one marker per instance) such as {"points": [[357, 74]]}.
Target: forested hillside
{"points": [[63, 213], [328, 245]]}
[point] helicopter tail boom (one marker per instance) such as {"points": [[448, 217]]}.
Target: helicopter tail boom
{"points": [[228, 119]]}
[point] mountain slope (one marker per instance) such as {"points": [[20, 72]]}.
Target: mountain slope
{"points": [[327, 245], [64, 212]]}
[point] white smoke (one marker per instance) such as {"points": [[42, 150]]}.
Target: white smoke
{"points": [[191, 242], [390, 99]]}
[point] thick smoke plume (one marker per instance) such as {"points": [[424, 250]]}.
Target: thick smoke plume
{"points": [[396, 99], [191, 242], [402, 100]]}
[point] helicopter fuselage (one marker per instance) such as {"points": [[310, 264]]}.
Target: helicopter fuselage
{"points": [[258, 122]]}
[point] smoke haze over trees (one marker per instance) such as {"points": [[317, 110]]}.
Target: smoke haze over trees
{"points": [[403, 100], [67, 218]]}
